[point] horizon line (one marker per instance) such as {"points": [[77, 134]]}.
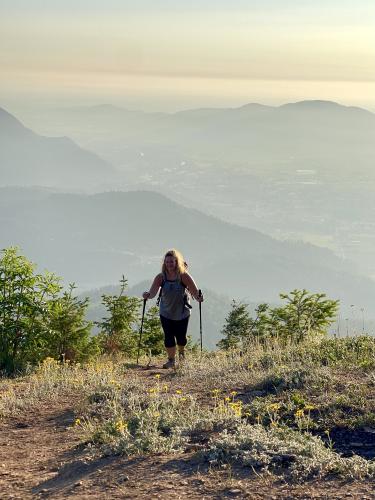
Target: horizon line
{"points": [[200, 108]]}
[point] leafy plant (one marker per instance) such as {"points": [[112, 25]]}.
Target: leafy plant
{"points": [[24, 299], [237, 326], [153, 336], [303, 315], [118, 328], [68, 331]]}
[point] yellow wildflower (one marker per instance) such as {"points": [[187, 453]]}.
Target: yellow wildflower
{"points": [[233, 405], [178, 391], [299, 413], [309, 407], [274, 407], [157, 375], [121, 426], [77, 421]]}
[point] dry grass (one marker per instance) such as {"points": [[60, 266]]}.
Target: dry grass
{"points": [[51, 378], [270, 409]]}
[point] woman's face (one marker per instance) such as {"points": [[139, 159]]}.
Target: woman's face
{"points": [[170, 263]]}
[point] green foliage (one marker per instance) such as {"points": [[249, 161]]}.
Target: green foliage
{"points": [[193, 345], [351, 351], [237, 326], [68, 331], [153, 336], [118, 330], [303, 315], [24, 297]]}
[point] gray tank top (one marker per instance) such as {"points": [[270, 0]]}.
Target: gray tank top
{"points": [[173, 300]]}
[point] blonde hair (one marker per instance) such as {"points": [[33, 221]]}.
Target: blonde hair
{"points": [[181, 265]]}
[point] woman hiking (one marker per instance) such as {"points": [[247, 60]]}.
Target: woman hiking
{"points": [[174, 283]]}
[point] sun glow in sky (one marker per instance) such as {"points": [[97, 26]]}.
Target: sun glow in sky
{"points": [[174, 54]]}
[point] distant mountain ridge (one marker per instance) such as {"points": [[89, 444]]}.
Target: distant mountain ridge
{"points": [[253, 134], [307, 103], [318, 134], [27, 158], [273, 168], [94, 239]]}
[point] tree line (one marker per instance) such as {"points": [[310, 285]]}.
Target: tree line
{"points": [[39, 319], [302, 315]]}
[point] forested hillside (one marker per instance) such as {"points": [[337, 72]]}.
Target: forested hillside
{"points": [[93, 239]]}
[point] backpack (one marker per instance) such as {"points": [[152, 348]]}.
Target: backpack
{"points": [[186, 295]]}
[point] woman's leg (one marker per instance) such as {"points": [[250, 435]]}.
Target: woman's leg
{"points": [[181, 336], [169, 341], [171, 352]]}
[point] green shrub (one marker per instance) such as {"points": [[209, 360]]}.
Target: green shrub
{"points": [[24, 297]]}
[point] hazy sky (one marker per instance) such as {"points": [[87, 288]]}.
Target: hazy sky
{"points": [[160, 54]]}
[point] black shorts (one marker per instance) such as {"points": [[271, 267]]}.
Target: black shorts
{"points": [[174, 330]]}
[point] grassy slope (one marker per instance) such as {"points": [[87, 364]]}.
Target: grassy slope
{"points": [[298, 412]]}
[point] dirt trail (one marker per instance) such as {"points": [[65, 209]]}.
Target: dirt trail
{"points": [[40, 457]]}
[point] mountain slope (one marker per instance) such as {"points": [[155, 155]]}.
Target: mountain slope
{"points": [[94, 239], [28, 159]]}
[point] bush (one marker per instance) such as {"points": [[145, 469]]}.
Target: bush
{"points": [[68, 332], [305, 456], [24, 298], [153, 336], [304, 315], [118, 329]]}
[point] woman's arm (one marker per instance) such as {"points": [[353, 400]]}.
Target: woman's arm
{"points": [[154, 287], [188, 281]]}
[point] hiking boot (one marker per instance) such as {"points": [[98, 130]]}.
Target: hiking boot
{"points": [[170, 363]]}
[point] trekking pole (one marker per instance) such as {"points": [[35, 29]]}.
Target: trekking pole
{"points": [[200, 319], [141, 330]]}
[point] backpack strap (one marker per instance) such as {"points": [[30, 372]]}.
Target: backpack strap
{"points": [[186, 291], [161, 290]]}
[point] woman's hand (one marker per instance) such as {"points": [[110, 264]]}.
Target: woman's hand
{"points": [[199, 298], [146, 295]]}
